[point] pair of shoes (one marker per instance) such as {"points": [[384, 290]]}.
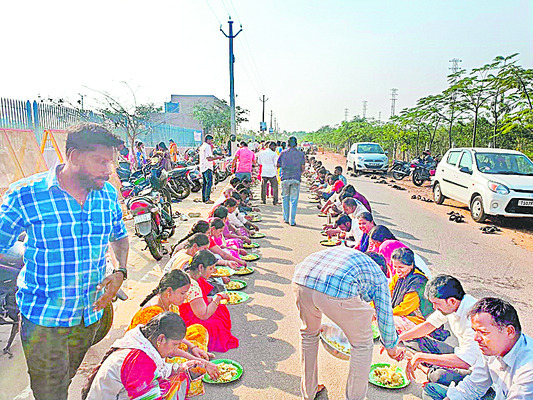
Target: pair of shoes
{"points": [[293, 224], [209, 202], [321, 388]]}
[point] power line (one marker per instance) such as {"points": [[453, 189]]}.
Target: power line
{"points": [[211, 8], [224, 4]]}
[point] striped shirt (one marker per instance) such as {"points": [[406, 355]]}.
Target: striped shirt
{"points": [[344, 272], [65, 249]]}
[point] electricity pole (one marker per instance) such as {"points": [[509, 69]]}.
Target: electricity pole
{"points": [[263, 115], [365, 102], [394, 93], [231, 36], [346, 114], [455, 65], [379, 116]]}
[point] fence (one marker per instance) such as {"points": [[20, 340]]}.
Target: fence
{"points": [[38, 117]]}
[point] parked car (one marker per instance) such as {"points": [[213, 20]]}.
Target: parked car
{"points": [[367, 157], [489, 181]]}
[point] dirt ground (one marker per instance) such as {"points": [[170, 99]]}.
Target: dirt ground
{"points": [[519, 230]]}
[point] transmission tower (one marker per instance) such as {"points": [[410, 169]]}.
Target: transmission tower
{"points": [[365, 102], [379, 116], [346, 114], [393, 93], [455, 65]]}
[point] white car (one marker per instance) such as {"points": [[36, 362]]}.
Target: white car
{"points": [[367, 157], [489, 181]]}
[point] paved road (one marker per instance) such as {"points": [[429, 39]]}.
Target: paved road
{"points": [[267, 325]]}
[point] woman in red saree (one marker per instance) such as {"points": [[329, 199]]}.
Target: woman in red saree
{"points": [[208, 312]]}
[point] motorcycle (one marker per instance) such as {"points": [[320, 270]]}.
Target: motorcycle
{"points": [[152, 213], [400, 169], [10, 266], [178, 182], [195, 179], [423, 171]]}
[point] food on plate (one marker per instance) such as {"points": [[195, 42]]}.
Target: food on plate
{"points": [[221, 272], [234, 298], [250, 257], [342, 348], [250, 245], [388, 376], [244, 271], [329, 242], [227, 372], [234, 285]]}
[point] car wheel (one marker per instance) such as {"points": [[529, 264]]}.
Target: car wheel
{"points": [[438, 197], [476, 209]]}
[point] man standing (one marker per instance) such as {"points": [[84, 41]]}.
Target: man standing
{"points": [[70, 215], [243, 162], [268, 160], [206, 163], [341, 282], [292, 163], [506, 365], [452, 305]]}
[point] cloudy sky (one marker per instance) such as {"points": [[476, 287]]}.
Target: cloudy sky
{"points": [[311, 58]]}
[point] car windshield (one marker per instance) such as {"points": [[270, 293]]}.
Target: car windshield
{"points": [[371, 148], [504, 163]]}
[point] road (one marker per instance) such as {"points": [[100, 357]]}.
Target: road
{"points": [[268, 325]]}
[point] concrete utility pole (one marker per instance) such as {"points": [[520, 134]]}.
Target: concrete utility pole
{"points": [[346, 114], [271, 114], [231, 36], [263, 115], [365, 102], [379, 116], [393, 93]]}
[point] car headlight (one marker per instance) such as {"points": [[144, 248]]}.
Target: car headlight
{"points": [[498, 188], [360, 158]]}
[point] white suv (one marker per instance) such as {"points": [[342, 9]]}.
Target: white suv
{"points": [[489, 181], [367, 157]]}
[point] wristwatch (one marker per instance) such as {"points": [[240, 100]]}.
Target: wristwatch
{"points": [[122, 270]]}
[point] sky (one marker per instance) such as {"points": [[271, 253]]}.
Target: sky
{"points": [[312, 59]]}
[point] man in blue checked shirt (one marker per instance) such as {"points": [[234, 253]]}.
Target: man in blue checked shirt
{"points": [[340, 282], [71, 215]]}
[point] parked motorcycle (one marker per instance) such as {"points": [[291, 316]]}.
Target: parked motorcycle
{"points": [[400, 169], [152, 213], [423, 172], [179, 183], [195, 179]]}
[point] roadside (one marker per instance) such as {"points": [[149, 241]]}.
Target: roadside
{"points": [[518, 230]]}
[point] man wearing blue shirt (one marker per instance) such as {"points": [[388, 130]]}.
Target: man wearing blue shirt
{"points": [[70, 215]]}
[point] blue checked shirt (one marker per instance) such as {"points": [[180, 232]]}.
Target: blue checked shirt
{"points": [[343, 272], [66, 247]]}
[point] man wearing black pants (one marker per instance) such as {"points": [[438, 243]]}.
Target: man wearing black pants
{"points": [[206, 163]]}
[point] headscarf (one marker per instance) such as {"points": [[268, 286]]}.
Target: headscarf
{"points": [[386, 249]]}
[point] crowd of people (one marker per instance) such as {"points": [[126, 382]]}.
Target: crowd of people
{"points": [[371, 276], [72, 216]]}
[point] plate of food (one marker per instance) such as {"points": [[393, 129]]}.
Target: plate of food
{"points": [[223, 271], [375, 331], [250, 257], [235, 297], [330, 242], [256, 218], [253, 245], [316, 201], [229, 370], [388, 376], [322, 215], [257, 235], [235, 284], [334, 341], [244, 271]]}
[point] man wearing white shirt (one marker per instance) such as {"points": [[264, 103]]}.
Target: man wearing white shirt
{"points": [[506, 365], [268, 159], [206, 164], [353, 208], [452, 305]]}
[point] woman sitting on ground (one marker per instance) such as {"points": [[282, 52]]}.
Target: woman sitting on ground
{"points": [[409, 304], [377, 236], [195, 243], [387, 248], [135, 366], [235, 218], [230, 232], [218, 245], [208, 312], [167, 296], [366, 224], [204, 228]]}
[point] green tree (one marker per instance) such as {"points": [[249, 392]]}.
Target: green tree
{"points": [[215, 118]]}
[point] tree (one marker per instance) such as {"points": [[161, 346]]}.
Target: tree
{"points": [[215, 118]]}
